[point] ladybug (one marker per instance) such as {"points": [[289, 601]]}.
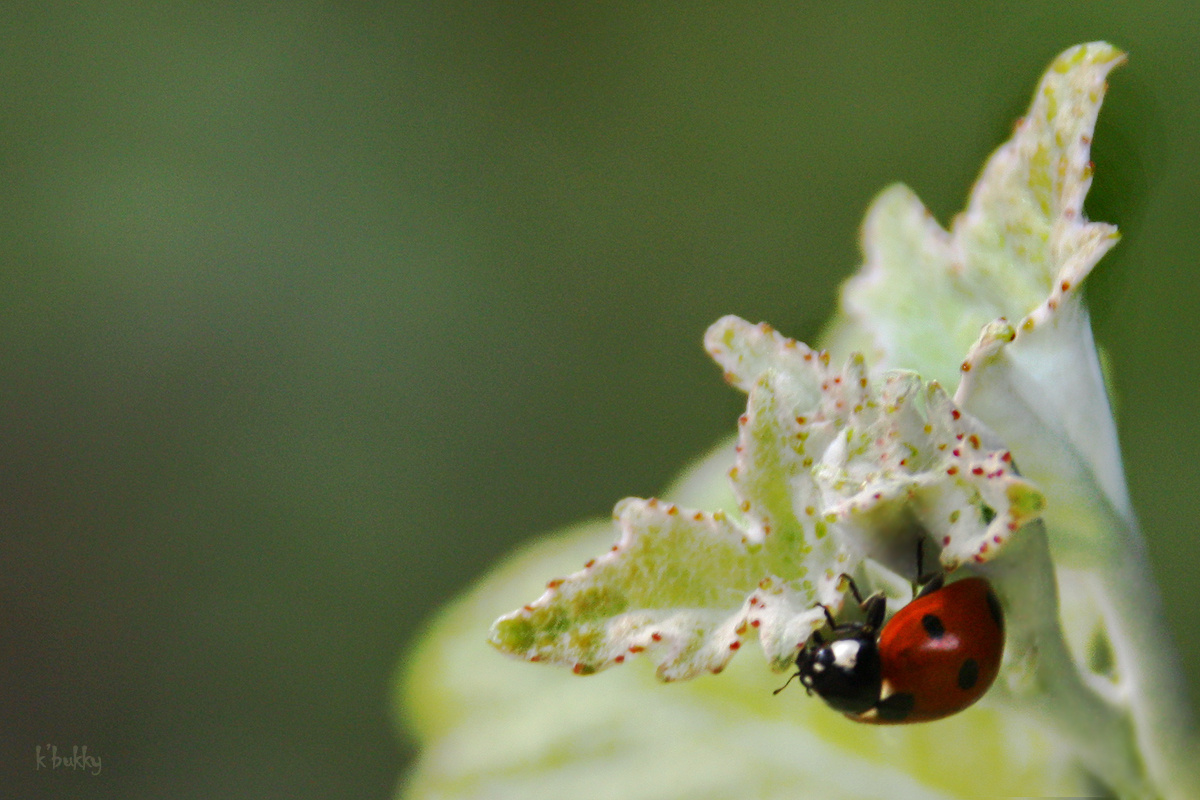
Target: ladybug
{"points": [[933, 658]]}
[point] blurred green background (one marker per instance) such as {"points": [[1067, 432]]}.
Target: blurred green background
{"points": [[312, 311]]}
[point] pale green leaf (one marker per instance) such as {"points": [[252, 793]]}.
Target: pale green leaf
{"points": [[493, 728], [840, 469], [923, 295], [827, 471]]}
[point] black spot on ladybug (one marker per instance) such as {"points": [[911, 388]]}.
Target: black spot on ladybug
{"points": [[993, 604], [896, 707], [933, 626], [968, 674]]}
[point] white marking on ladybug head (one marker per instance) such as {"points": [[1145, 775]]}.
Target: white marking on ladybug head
{"points": [[845, 654]]}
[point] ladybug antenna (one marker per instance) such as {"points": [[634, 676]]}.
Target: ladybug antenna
{"points": [[791, 678]]}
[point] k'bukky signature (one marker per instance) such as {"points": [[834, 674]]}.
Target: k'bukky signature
{"points": [[48, 758]]}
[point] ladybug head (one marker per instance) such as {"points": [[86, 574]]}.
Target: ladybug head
{"points": [[846, 672]]}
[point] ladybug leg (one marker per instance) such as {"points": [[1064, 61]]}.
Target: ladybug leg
{"points": [[874, 608], [816, 635], [926, 582], [858, 598], [932, 585]]}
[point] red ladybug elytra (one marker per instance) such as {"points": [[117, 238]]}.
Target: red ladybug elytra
{"points": [[933, 658]]}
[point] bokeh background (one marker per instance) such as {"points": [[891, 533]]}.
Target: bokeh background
{"points": [[309, 312]]}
